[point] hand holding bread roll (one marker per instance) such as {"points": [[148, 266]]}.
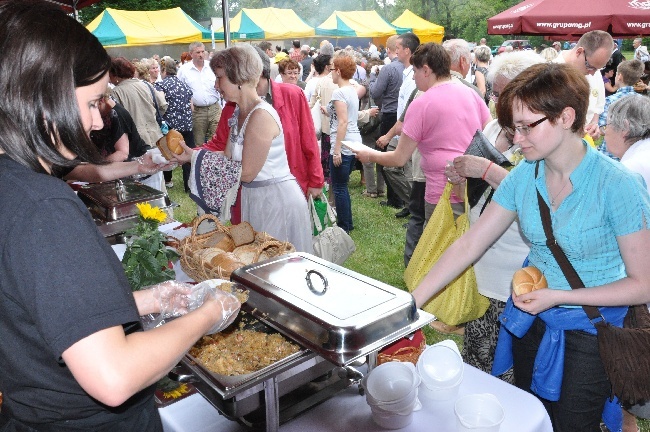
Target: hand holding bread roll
{"points": [[169, 144], [528, 279]]}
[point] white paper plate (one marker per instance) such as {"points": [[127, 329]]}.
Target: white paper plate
{"points": [[354, 146]]}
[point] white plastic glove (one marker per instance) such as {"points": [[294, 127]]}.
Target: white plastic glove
{"points": [[172, 298], [229, 308]]}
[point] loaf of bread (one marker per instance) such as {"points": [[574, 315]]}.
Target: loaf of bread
{"points": [[228, 262], [246, 253], [208, 256], [242, 234], [220, 240], [528, 279], [170, 144]]}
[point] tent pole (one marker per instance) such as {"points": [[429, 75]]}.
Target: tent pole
{"points": [[226, 23]]}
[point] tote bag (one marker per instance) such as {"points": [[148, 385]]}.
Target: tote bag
{"points": [[459, 301], [332, 244]]}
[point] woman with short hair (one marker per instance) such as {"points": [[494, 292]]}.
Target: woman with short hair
{"points": [[599, 215], [290, 72], [482, 56]]}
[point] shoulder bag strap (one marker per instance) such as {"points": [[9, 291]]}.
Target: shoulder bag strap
{"points": [[155, 102], [565, 265]]}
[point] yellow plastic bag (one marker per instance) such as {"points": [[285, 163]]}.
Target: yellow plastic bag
{"points": [[459, 301]]}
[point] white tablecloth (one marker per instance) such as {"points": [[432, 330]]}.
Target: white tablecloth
{"points": [[348, 411]]}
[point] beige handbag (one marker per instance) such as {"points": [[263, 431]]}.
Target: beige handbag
{"points": [[332, 243]]}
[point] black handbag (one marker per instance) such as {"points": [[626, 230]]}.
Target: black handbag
{"points": [[482, 147], [623, 351]]}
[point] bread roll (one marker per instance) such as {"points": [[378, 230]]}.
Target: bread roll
{"points": [[170, 144], [528, 279]]}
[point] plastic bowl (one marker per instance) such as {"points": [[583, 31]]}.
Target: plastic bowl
{"points": [[391, 381], [440, 366], [439, 393], [402, 405], [478, 413], [388, 420]]}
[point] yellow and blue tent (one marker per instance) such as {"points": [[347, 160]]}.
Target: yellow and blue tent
{"points": [[423, 29], [358, 24], [120, 28], [265, 23]]}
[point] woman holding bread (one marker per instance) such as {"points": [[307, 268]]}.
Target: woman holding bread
{"points": [[271, 199], [599, 215], [73, 353], [495, 267]]}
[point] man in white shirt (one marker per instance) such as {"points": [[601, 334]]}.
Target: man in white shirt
{"points": [[206, 106], [640, 51], [589, 55]]}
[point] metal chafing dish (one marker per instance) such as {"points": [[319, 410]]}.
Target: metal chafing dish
{"points": [[113, 203], [336, 315]]}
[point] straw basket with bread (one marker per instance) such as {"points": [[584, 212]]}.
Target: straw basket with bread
{"points": [[221, 251], [528, 279]]}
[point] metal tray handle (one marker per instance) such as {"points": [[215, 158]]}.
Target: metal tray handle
{"points": [[311, 285]]}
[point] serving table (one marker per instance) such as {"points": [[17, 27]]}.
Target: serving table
{"points": [[348, 411]]}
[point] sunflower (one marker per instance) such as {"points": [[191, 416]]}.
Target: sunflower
{"points": [[147, 212]]}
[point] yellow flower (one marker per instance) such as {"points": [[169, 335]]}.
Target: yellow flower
{"points": [[177, 392], [151, 213]]}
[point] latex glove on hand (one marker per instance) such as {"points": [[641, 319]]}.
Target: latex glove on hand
{"points": [[171, 297], [228, 306]]}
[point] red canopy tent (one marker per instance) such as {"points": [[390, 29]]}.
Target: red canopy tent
{"points": [[620, 18]]}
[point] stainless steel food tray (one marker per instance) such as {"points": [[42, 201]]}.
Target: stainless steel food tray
{"points": [[339, 314], [110, 202]]}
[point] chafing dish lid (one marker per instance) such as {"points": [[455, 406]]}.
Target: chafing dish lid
{"points": [[339, 313]]}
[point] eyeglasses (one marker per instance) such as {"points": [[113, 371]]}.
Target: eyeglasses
{"points": [[524, 130], [587, 65]]}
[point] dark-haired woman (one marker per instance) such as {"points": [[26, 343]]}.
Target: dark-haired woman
{"points": [[599, 212], [73, 354]]}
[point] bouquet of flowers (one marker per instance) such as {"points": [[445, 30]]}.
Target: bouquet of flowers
{"points": [[147, 261]]}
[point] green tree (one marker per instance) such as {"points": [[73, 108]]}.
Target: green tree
{"points": [[197, 9]]}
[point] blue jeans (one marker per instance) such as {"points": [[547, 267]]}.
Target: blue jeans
{"points": [[340, 176]]}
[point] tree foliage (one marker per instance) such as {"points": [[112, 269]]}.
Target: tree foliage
{"points": [[197, 9]]}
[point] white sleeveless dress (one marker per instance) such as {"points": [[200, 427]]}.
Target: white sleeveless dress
{"points": [[274, 202]]}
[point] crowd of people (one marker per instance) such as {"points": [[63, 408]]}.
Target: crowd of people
{"points": [[403, 114]]}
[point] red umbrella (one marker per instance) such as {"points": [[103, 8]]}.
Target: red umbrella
{"points": [[620, 18]]}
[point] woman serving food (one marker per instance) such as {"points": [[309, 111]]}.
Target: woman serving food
{"points": [[74, 356]]}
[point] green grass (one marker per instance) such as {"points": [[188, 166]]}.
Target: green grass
{"points": [[378, 235]]}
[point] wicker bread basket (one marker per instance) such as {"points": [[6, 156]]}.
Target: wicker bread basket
{"points": [[194, 247], [404, 350]]}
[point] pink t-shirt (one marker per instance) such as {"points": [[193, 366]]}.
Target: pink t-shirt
{"points": [[443, 121]]}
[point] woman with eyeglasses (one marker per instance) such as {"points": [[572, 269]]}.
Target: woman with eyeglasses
{"points": [[496, 266], [599, 213], [290, 72]]}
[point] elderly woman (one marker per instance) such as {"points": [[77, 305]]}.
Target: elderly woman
{"points": [[482, 56], [73, 353], [343, 111], [628, 138], [290, 72], [138, 98], [496, 266], [179, 106], [598, 210], [271, 199]]}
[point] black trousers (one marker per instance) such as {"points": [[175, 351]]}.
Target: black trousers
{"points": [[388, 120]]}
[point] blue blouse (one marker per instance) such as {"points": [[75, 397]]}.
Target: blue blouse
{"points": [[607, 201], [178, 96]]}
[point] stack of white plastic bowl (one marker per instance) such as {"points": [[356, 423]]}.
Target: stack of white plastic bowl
{"points": [[392, 393], [440, 367], [478, 413]]}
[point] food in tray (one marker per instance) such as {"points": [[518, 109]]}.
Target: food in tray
{"points": [[240, 351], [528, 279], [242, 233], [229, 287], [170, 144]]}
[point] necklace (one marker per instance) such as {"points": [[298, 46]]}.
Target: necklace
{"points": [[558, 194]]}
